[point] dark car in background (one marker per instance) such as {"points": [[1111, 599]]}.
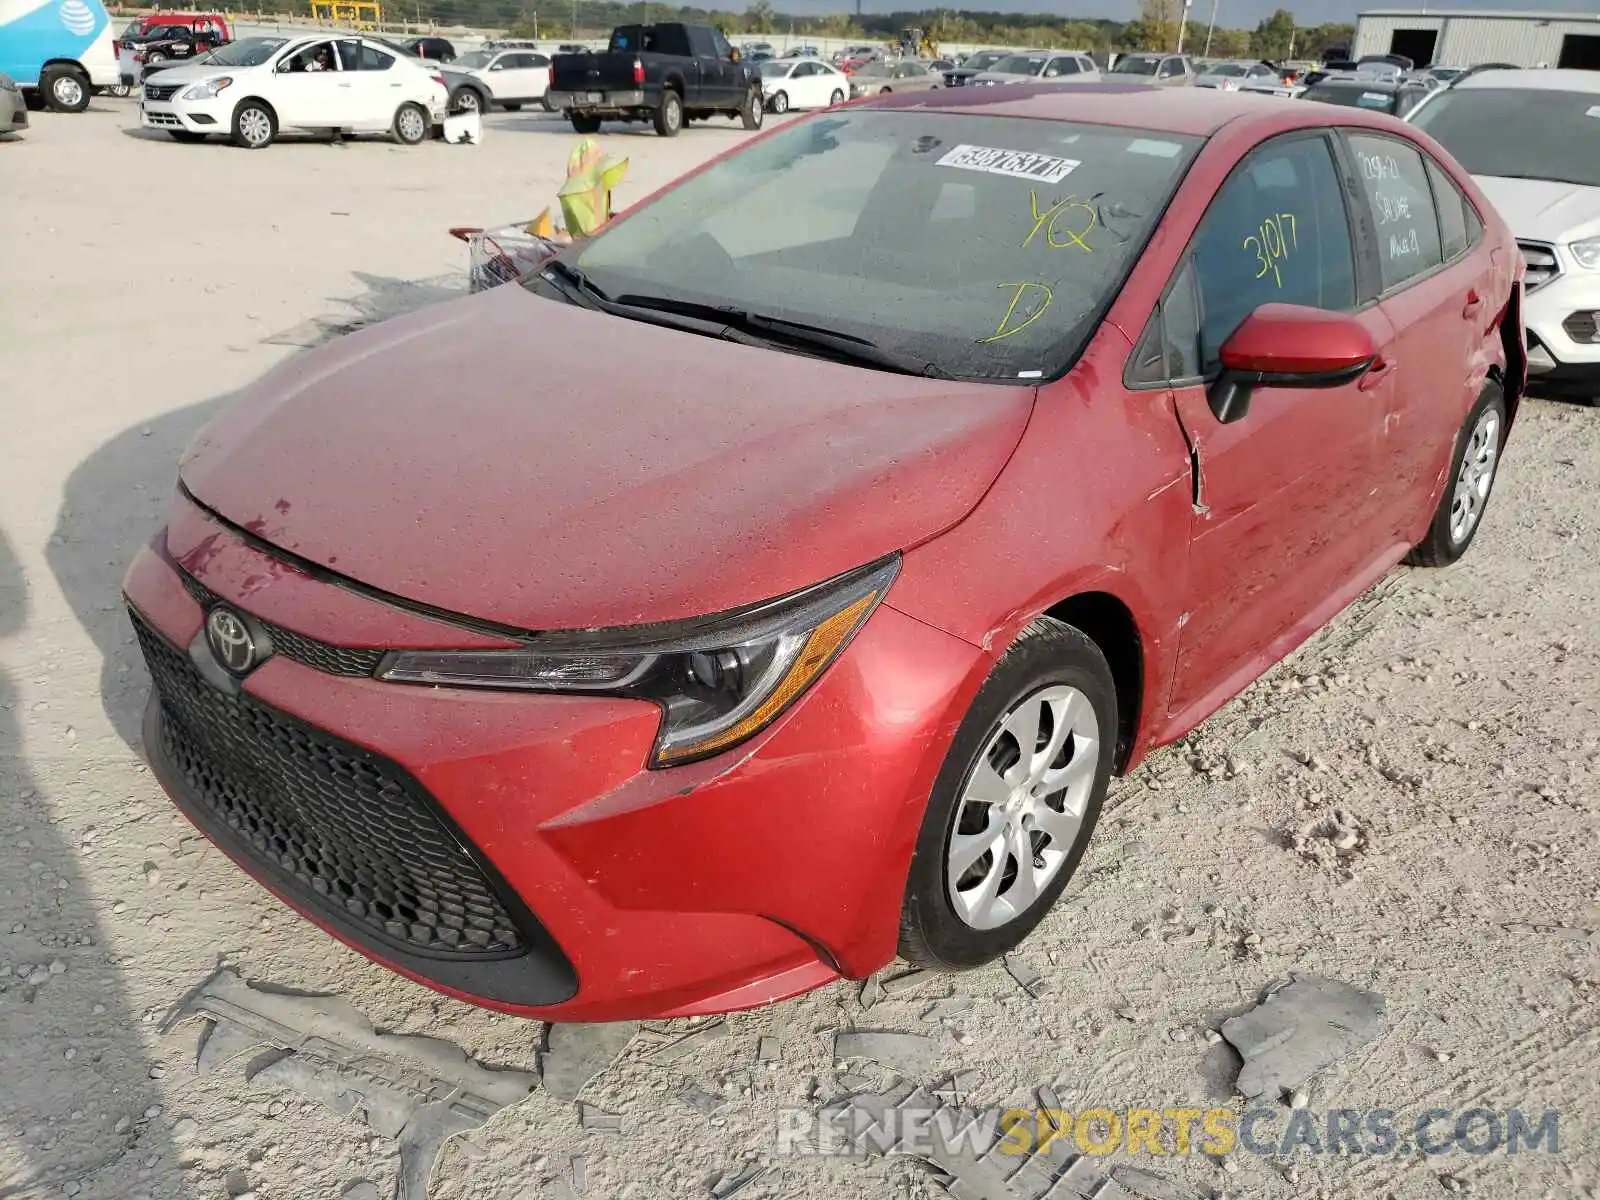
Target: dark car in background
{"points": [[976, 64], [1396, 96], [430, 49], [664, 74]]}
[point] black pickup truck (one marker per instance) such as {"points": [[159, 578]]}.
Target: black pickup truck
{"points": [[665, 74]]}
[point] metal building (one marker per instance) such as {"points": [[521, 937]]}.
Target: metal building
{"points": [[1460, 38]]}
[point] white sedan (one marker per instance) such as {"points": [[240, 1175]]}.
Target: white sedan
{"points": [[255, 88], [802, 83], [513, 77]]}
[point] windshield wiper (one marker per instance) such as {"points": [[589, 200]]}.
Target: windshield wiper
{"points": [[759, 328]]}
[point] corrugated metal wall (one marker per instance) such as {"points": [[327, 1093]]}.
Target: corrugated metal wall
{"points": [[1464, 41]]}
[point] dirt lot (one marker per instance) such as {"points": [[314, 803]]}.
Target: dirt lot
{"points": [[1452, 714]]}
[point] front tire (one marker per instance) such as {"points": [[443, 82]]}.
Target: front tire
{"points": [[1473, 468], [585, 122], [1015, 802], [780, 103], [465, 100], [669, 116], [836, 99], [754, 111], [411, 125], [254, 125], [65, 89]]}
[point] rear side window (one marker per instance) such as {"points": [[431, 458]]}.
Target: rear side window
{"points": [[1277, 232], [1455, 233], [1395, 183], [375, 60]]}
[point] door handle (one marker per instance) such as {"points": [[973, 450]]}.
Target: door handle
{"points": [[1473, 304], [1376, 373]]}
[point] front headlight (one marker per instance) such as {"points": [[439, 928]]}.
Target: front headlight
{"points": [[719, 680], [210, 89], [1587, 253]]}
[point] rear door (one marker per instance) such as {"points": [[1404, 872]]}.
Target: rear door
{"points": [[1284, 506], [1437, 281]]}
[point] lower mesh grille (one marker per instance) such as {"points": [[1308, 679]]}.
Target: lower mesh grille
{"points": [[338, 828]]}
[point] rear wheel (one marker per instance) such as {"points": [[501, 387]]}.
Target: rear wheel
{"points": [[1472, 474], [65, 89], [669, 116], [836, 98], [156, 57], [411, 125], [585, 122], [465, 100], [780, 102], [254, 125], [1015, 804], [754, 111]]}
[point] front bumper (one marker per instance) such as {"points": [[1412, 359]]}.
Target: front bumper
{"points": [[204, 116], [1558, 315], [596, 102], [719, 885]]}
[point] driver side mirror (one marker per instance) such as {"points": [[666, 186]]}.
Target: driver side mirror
{"points": [[1288, 346]]}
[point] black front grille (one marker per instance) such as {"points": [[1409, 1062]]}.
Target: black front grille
{"points": [[337, 827], [160, 91], [1541, 264], [319, 656]]}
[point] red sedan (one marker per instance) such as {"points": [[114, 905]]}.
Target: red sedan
{"points": [[774, 584]]}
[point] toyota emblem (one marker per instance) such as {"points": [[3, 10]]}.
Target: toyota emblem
{"points": [[230, 640]]}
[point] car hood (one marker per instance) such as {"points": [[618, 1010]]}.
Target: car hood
{"points": [[1544, 210], [190, 73], [524, 461]]}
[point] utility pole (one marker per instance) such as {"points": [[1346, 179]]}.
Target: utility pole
{"points": [[1183, 20], [1210, 29]]}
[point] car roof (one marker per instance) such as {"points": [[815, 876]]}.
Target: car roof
{"points": [[1549, 80], [1199, 112]]}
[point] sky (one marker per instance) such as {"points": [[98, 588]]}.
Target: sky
{"points": [[1235, 14]]}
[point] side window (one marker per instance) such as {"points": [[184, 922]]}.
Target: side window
{"points": [[1396, 187], [1277, 231], [373, 59], [1452, 208], [538, 60], [1171, 67], [1066, 66], [349, 54], [719, 44]]}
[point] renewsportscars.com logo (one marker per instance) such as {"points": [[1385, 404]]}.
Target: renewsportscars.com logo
{"points": [[1270, 1132]]}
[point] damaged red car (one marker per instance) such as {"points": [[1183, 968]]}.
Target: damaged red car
{"points": [[774, 584]]}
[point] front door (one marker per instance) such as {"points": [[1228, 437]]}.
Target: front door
{"points": [[310, 91], [1285, 515]]}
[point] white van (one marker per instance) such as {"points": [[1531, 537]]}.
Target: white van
{"points": [[59, 51]]}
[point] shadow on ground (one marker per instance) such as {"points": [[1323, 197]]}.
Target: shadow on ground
{"points": [[78, 1109], [115, 500]]}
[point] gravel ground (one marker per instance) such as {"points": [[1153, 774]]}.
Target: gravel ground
{"points": [[1407, 805]]}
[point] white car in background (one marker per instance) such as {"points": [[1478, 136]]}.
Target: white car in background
{"points": [[802, 83], [1531, 140], [1231, 76], [255, 88], [513, 77]]}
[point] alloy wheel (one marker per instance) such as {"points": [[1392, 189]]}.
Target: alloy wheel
{"points": [[255, 126], [1022, 806], [467, 101], [413, 128], [1476, 477], [68, 91]]}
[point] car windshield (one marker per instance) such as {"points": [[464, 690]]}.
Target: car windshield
{"points": [[247, 52], [1353, 96], [1133, 64], [1019, 64], [1519, 133], [776, 70], [473, 59], [977, 247]]}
